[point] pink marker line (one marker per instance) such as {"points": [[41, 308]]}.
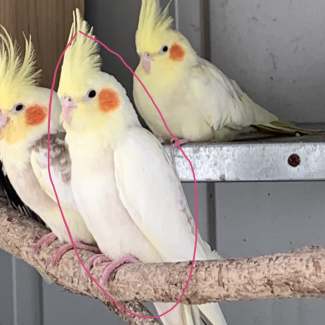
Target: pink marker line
{"points": [[122, 308]]}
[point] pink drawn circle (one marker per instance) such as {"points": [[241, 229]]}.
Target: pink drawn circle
{"points": [[120, 306]]}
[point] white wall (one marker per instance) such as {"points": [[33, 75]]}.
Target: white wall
{"points": [[275, 50]]}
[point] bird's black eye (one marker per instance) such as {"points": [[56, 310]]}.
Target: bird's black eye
{"points": [[18, 107], [165, 49], [92, 93]]}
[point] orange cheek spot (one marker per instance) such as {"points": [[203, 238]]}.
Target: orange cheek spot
{"points": [[108, 100], [177, 53], [35, 115]]}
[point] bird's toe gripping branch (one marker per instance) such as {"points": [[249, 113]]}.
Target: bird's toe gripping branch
{"points": [[65, 248], [95, 260], [179, 142], [114, 265], [45, 241]]}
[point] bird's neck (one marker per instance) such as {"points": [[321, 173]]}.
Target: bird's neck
{"points": [[85, 146]]}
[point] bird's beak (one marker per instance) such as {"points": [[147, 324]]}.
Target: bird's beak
{"points": [[68, 105], [3, 120], [146, 60]]}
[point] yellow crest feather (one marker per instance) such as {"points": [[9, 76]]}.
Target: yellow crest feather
{"points": [[16, 73], [82, 58], [153, 22]]}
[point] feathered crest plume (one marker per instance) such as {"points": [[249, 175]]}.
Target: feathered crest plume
{"points": [[16, 72], [82, 58], [153, 22]]}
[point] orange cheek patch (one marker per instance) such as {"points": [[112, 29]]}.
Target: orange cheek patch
{"points": [[35, 115], [108, 100], [177, 53]]}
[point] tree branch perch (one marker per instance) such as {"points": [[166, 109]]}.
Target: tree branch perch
{"points": [[290, 275]]}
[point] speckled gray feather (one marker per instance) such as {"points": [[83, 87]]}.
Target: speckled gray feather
{"points": [[59, 154]]}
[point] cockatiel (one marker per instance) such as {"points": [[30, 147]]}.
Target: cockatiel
{"points": [[124, 184], [23, 146], [198, 101]]}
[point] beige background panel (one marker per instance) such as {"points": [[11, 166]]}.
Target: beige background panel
{"points": [[48, 21]]}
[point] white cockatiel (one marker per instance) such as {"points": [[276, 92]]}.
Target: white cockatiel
{"points": [[23, 146], [124, 184], [198, 101]]}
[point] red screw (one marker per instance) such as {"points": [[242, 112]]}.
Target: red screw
{"points": [[294, 160]]}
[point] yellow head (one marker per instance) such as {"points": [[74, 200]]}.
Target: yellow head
{"points": [[161, 49], [93, 102], [23, 105]]}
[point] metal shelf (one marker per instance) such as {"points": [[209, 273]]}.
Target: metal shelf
{"points": [[273, 159]]}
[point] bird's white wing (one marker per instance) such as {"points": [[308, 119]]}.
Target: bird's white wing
{"points": [[152, 193], [60, 168], [221, 101]]}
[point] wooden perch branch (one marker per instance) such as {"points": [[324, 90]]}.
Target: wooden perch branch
{"points": [[292, 275]]}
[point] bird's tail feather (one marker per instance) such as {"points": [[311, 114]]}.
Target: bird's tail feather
{"points": [[269, 123], [286, 128], [191, 315], [181, 315], [212, 314]]}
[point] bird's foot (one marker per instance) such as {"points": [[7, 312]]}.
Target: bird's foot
{"points": [[65, 248], [114, 265], [45, 241], [96, 260], [178, 142]]}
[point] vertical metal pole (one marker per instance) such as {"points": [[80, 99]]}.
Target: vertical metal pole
{"points": [[192, 19], [27, 294], [211, 187]]}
